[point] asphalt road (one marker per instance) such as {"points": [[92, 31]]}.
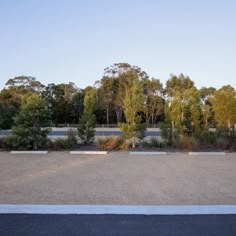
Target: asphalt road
{"points": [[98, 133], [104, 133], [185, 225]]}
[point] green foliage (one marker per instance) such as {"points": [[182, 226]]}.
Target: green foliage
{"points": [[124, 93], [25, 84], [7, 113], [64, 101], [224, 106], [60, 144], [71, 136], [107, 94], [3, 143], [86, 129], [30, 130], [206, 95], [133, 103], [116, 79], [167, 133], [64, 144], [208, 138], [182, 107], [153, 92], [154, 142]]}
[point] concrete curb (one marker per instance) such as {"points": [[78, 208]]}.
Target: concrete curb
{"points": [[148, 153], [119, 209], [207, 153], [89, 152], [30, 152]]}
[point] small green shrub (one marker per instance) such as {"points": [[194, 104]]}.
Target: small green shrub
{"points": [[167, 134], [233, 145], [223, 143], [208, 137], [154, 142], [61, 144], [64, 144], [3, 143], [71, 136]]}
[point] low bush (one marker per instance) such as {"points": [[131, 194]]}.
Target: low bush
{"points": [[3, 143], [208, 137], [112, 143], [186, 143], [71, 136], [166, 133], [233, 145], [223, 143], [154, 142], [64, 144], [61, 144]]}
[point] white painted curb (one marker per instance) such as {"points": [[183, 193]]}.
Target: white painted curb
{"points": [[89, 152], [207, 153], [119, 209], [148, 153], [29, 152]]}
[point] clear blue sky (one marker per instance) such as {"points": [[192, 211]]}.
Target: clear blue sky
{"points": [[58, 41]]}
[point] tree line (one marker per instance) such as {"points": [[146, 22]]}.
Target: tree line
{"points": [[126, 96]]}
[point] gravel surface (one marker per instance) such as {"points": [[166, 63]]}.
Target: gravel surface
{"points": [[117, 178]]}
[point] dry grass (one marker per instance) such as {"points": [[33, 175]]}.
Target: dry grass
{"points": [[112, 143], [186, 143]]}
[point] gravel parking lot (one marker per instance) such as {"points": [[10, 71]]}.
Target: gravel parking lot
{"points": [[117, 178]]}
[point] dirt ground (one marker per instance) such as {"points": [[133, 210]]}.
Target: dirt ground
{"points": [[117, 178]]}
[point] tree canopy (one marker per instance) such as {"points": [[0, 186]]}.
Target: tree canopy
{"points": [[224, 106], [122, 89], [31, 124]]}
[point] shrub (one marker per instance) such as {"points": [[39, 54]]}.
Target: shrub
{"points": [[3, 143], [223, 143], [64, 144], [167, 134], [208, 138], [186, 143], [233, 145], [71, 136], [87, 123], [154, 143], [31, 124], [61, 144], [112, 143]]}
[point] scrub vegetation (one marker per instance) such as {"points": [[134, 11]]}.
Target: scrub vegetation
{"points": [[125, 97]]}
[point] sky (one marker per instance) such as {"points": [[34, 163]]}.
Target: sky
{"points": [[61, 41]]}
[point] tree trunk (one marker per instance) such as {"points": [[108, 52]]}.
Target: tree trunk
{"points": [[133, 142], [107, 115], [118, 114], [35, 147], [147, 119], [229, 126], [173, 128], [152, 119]]}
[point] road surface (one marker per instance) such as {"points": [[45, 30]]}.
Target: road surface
{"points": [[99, 132], [185, 225], [117, 178]]}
